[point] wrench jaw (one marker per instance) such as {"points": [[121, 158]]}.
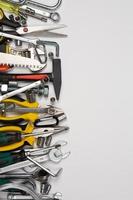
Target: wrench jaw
{"points": [[56, 155]]}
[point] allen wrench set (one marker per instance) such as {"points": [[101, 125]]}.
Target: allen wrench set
{"points": [[27, 127]]}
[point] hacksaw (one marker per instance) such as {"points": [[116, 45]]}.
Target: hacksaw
{"points": [[19, 61]]}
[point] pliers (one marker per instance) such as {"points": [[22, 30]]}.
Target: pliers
{"points": [[21, 106], [30, 122], [12, 138], [19, 31]]}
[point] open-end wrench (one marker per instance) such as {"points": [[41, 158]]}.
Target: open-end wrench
{"points": [[53, 156]]}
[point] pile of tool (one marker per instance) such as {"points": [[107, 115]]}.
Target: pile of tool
{"points": [[27, 128]]}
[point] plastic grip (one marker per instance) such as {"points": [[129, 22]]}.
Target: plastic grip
{"points": [[4, 68], [9, 138], [10, 158], [32, 77]]}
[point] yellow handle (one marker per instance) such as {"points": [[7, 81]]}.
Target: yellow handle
{"points": [[28, 129], [10, 128], [30, 140], [9, 7], [21, 103], [30, 117]]}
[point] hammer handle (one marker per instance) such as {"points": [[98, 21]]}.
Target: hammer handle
{"points": [[21, 77], [31, 77]]}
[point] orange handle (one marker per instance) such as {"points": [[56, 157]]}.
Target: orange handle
{"points": [[4, 68]]}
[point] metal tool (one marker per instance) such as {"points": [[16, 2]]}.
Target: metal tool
{"points": [[32, 120], [9, 137], [45, 187], [33, 42], [37, 4], [25, 124], [21, 187], [29, 30], [38, 175], [27, 40], [52, 155], [29, 179], [54, 77], [9, 61], [20, 105], [37, 49], [20, 90], [56, 196], [31, 8], [7, 159], [8, 22], [42, 167], [39, 14], [55, 155]]}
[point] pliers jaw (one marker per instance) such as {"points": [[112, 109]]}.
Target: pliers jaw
{"points": [[54, 111]]}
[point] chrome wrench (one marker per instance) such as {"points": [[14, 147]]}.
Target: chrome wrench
{"points": [[39, 14], [56, 196], [55, 155]]}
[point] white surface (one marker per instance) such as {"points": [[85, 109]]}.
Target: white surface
{"points": [[97, 61], [97, 95]]}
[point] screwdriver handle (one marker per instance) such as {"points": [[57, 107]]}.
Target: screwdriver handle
{"points": [[8, 121], [9, 138], [10, 158]]}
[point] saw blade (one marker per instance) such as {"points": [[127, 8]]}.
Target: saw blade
{"points": [[19, 61]]}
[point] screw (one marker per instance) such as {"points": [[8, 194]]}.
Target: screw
{"points": [[52, 99]]}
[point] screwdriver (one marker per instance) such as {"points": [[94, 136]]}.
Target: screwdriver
{"points": [[8, 138], [9, 158]]}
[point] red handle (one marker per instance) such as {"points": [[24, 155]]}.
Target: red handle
{"points": [[4, 68], [32, 77]]}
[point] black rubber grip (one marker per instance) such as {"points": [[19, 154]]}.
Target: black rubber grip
{"points": [[17, 122]]}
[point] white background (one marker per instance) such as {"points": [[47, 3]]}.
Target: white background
{"points": [[97, 66], [97, 96]]}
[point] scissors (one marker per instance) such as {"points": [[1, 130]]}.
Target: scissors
{"points": [[20, 31]]}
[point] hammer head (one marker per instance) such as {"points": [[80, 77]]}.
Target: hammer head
{"points": [[57, 80]]}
